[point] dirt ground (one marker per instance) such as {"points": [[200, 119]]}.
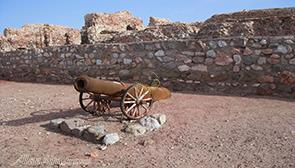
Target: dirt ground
{"points": [[201, 131]]}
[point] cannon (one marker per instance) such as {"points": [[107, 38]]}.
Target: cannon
{"points": [[135, 100]]}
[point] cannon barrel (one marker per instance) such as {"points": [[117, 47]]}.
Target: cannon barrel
{"points": [[85, 83]]}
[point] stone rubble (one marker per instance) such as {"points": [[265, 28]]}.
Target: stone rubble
{"points": [[69, 125], [110, 139], [135, 129], [149, 123], [56, 123], [161, 118], [79, 128], [146, 124], [97, 134], [93, 133]]}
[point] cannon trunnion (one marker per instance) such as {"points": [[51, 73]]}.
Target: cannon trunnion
{"points": [[135, 100]]}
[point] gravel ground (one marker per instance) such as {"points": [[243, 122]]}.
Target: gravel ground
{"points": [[201, 131]]}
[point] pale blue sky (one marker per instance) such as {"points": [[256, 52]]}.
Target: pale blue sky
{"points": [[15, 13]]}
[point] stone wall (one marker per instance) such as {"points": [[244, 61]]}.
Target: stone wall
{"points": [[236, 65]]}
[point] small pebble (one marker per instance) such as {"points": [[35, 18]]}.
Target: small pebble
{"points": [[102, 147], [87, 154]]}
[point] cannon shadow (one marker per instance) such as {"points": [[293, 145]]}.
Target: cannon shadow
{"points": [[51, 114]]}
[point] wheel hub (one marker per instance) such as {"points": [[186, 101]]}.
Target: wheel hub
{"points": [[137, 102]]}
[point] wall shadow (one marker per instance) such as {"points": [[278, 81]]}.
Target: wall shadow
{"points": [[236, 93], [244, 95]]}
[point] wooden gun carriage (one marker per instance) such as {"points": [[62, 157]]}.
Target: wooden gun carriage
{"points": [[135, 100]]}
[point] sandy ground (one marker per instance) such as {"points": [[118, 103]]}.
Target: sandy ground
{"points": [[202, 131]]}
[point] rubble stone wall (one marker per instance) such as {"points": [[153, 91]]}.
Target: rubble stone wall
{"points": [[236, 65]]}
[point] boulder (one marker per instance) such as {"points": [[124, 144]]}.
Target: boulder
{"points": [[135, 129], [68, 125], [149, 123], [110, 139], [56, 123], [79, 130], [94, 133], [160, 117]]}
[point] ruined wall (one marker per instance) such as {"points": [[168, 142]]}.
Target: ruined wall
{"points": [[268, 22], [38, 36], [260, 65], [252, 14], [101, 27], [123, 27], [171, 31]]}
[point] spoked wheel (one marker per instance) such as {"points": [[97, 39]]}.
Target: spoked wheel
{"points": [[136, 101], [94, 103]]}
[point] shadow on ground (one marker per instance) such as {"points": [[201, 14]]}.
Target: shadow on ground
{"points": [[47, 115], [51, 114]]}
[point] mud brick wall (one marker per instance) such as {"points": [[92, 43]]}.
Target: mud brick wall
{"points": [[236, 65]]}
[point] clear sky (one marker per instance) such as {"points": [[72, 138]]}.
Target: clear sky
{"points": [[15, 13]]}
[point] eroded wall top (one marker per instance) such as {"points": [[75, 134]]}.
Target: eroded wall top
{"points": [[268, 22], [123, 27], [38, 36]]}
